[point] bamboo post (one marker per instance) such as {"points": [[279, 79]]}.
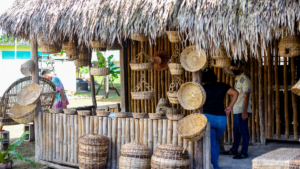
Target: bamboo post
{"points": [[256, 100], [109, 158], [231, 114], [76, 139], [270, 90], [137, 131], [185, 143], [44, 136], [65, 138], [294, 102], [127, 131], [61, 136], [277, 94], [91, 126], [155, 134], [150, 142], [145, 140], [164, 136], [69, 137], [97, 127], [57, 136], [286, 99], [132, 133], [72, 139], [113, 143], [79, 126], [175, 135], [266, 93], [100, 125], [141, 121], [83, 124], [253, 101], [169, 134], [87, 125], [191, 153], [104, 127], [49, 136], [228, 117], [53, 138], [123, 132], [260, 100], [119, 139]]}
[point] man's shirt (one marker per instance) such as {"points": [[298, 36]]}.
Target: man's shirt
{"points": [[242, 85]]}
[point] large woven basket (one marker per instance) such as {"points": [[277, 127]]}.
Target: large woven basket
{"points": [[296, 88], [193, 60], [84, 112], [191, 96], [138, 115], [170, 156], [192, 127], [102, 113], [173, 97], [134, 155], [142, 95], [28, 68], [83, 53], [175, 69], [97, 45], [139, 37], [81, 62], [72, 51], [173, 36], [93, 151], [289, 46], [100, 71], [30, 94], [221, 63], [23, 114]]}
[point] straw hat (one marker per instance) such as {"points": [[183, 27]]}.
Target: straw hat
{"points": [[193, 60], [160, 59]]}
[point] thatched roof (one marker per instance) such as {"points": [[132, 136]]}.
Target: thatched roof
{"points": [[206, 23]]}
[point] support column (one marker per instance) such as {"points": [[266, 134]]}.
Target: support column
{"points": [[38, 115], [124, 78], [92, 87]]}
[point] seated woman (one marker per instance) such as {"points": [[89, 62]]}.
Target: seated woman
{"points": [[214, 109]]}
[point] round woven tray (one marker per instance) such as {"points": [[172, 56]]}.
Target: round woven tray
{"points": [[100, 71], [142, 95], [28, 68], [173, 36], [55, 110], [121, 114], [289, 46], [30, 94], [139, 37], [69, 111], [155, 116], [192, 127], [296, 88], [221, 63], [23, 114], [141, 66], [175, 116], [173, 97], [191, 96], [193, 60], [138, 115], [175, 69], [84, 112], [102, 113]]}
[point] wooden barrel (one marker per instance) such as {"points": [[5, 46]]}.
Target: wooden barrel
{"points": [[170, 156], [93, 150], [134, 155]]}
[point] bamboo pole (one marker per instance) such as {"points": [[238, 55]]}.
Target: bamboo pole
{"points": [[169, 134], [266, 93], [139, 79], [83, 124], [191, 153], [228, 117], [87, 125], [69, 137], [104, 126], [114, 143], [253, 100], [72, 139], [123, 132], [260, 98], [127, 131], [65, 138], [164, 136], [294, 102], [109, 128], [286, 99], [185, 143], [49, 121], [155, 134], [270, 90], [277, 94], [75, 139], [160, 131], [150, 136], [53, 138], [132, 133], [175, 135], [61, 136], [152, 79], [129, 75], [44, 136], [231, 114], [145, 139], [57, 136], [141, 121], [91, 126], [256, 100], [119, 139], [137, 131], [79, 126], [225, 135], [96, 125], [134, 76], [100, 125]]}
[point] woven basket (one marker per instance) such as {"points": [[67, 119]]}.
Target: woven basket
{"points": [[55, 110], [50, 49], [296, 88], [70, 111], [64, 45], [171, 111], [170, 156], [134, 155], [121, 114], [28, 68], [173, 36], [72, 51], [175, 116], [138, 115], [83, 53], [193, 60], [221, 63], [93, 151], [191, 96], [30, 94], [162, 106], [139, 37], [192, 127], [220, 53], [142, 95], [175, 69], [100, 71], [173, 97], [97, 45], [81, 62], [114, 46], [84, 112], [289, 46], [22, 114], [155, 116], [141, 66], [101, 113]]}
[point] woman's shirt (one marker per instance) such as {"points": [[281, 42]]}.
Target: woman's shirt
{"points": [[215, 94], [58, 102]]}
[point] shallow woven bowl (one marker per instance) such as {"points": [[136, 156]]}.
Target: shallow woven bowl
{"points": [[155, 116], [102, 113], [100, 71], [296, 88], [121, 114], [192, 127], [138, 115], [175, 68], [55, 110], [173, 97], [23, 114], [193, 60], [141, 66], [142, 95], [30, 94], [69, 111], [191, 96], [84, 112], [175, 116]]}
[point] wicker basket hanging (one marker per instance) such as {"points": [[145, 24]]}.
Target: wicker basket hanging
{"points": [[100, 71], [193, 60], [93, 151], [191, 96], [173, 93], [175, 68], [28, 68], [98, 45], [83, 53], [48, 48], [170, 156], [142, 95], [289, 46], [220, 53], [134, 155], [71, 50], [139, 37], [30, 94], [114, 46], [162, 106], [134, 65], [221, 63], [296, 88], [192, 127], [23, 114], [81, 62], [173, 36]]}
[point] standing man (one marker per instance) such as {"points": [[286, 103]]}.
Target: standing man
{"points": [[241, 110], [61, 100]]}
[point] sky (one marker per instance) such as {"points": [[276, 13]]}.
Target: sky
{"points": [[5, 4]]}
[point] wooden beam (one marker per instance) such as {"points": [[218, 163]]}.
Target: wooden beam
{"points": [[124, 79], [52, 165], [65, 163], [277, 95], [270, 90], [286, 99], [38, 115], [92, 87]]}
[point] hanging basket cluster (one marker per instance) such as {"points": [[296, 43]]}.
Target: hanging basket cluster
{"points": [[100, 71], [136, 66], [48, 48], [27, 68], [289, 46], [71, 50], [173, 90]]}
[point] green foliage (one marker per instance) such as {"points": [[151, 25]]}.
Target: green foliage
{"points": [[7, 39], [60, 54], [11, 148], [82, 70]]}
